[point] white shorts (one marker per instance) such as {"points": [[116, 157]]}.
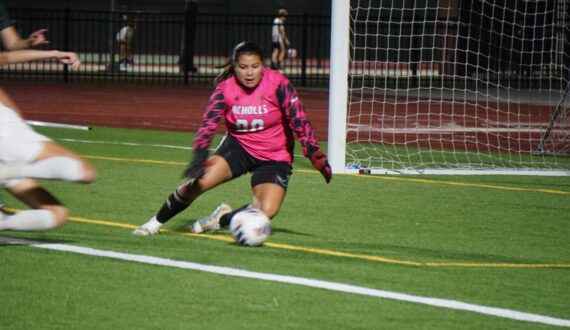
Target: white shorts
{"points": [[19, 143]]}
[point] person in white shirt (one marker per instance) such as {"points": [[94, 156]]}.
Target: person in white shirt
{"points": [[125, 41], [279, 40]]}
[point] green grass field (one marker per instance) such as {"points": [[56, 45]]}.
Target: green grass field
{"points": [[491, 241]]}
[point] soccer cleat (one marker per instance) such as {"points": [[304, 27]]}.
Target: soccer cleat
{"points": [[143, 231], [211, 222], [151, 227]]}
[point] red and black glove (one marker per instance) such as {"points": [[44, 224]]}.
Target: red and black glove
{"points": [[321, 163], [195, 169]]}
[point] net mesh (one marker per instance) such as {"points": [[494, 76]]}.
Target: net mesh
{"points": [[468, 85]]}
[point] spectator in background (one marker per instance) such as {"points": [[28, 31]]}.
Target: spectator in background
{"points": [[11, 40], [125, 42], [279, 40]]}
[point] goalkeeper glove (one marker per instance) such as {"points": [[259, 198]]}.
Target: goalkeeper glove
{"points": [[321, 163], [195, 169]]}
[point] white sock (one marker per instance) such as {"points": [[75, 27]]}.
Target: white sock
{"points": [[29, 220], [152, 225], [60, 168]]}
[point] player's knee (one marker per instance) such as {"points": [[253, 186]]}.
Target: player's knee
{"points": [[270, 210], [89, 173], [60, 213]]}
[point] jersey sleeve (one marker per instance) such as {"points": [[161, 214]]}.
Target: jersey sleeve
{"points": [[210, 120], [296, 116]]}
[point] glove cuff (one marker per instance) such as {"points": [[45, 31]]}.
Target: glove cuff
{"points": [[200, 155]]}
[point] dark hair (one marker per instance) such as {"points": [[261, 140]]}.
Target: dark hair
{"points": [[244, 47]]}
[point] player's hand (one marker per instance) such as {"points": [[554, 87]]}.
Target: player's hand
{"points": [[70, 59], [321, 163], [38, 38], [196, 168]]}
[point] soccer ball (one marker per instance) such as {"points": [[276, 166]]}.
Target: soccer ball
{"points": [[291, 53], [250, 227]]}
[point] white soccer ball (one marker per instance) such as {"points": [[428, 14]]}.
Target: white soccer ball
{"points": [[250, 227], [291, 53]]}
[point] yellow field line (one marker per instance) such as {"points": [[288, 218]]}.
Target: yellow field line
{"points": [[130, 160], [327, 252]]}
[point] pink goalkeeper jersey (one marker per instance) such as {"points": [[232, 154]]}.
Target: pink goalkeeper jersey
{"points": [[262, 120]]}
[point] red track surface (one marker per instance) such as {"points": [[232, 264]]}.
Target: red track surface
{"points": [[391, 121], [164, 107]]}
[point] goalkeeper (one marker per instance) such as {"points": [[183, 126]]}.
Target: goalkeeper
{"points": [[262, 112]]}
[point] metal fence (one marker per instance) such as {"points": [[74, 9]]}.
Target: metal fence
{"points": [[158, 41]]}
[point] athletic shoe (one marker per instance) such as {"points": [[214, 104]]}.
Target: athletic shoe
{"points": [[211, 222], [143, 231], [151, 227]]}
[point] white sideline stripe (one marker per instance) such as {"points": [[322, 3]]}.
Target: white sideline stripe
{"points": [[135, 144], [339, 287], [128, 144]]}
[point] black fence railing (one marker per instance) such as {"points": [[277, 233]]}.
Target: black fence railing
{"points": [[158, 41], [447, 51]]}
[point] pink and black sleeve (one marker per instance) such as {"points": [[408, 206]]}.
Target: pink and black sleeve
{"points": [[210, 122], [296, 116]]}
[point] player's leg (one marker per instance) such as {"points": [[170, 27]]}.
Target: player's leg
{"points": [[275, 59], [48, 212], [269, 185], [25, 153], [52, 162], [123, 56], [282, 53], [217, 172], [275, 62], [238, 162]]}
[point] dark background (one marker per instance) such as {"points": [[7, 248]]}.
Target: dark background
{"points": [[263, 7]]}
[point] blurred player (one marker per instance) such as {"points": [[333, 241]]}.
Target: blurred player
{"points": [[262, 111], [25, 154]]}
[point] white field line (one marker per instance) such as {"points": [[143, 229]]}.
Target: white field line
{"points": [[133, 144], [332, 286], [128, 144]]}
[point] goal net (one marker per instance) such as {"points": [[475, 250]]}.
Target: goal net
{"points": [[450, 86]]}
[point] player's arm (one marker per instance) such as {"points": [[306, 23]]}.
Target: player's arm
{"points": [[210, 121], [12, 40], [28, 55], [301, 126]]}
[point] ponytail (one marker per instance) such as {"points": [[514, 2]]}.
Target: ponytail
{"points": [[228, 71]]}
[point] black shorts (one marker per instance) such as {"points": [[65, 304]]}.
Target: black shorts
{"points": [[277, 45], [262, 171]]}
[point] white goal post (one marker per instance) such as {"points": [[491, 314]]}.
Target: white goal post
{"points": [[450, 87]]}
